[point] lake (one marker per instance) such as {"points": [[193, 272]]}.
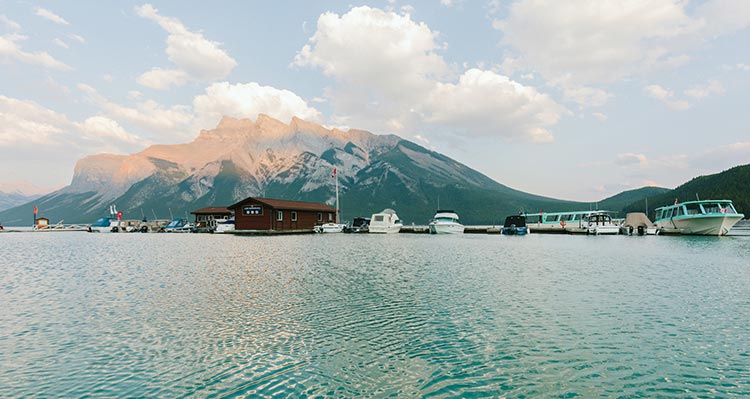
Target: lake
{"points": [[177, 315]]}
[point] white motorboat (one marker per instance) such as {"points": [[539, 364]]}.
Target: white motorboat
{"points": [[179, 225], [707, 217], [600, 223], [385, 222], [445, 222], [329, 228], [221, 226]]}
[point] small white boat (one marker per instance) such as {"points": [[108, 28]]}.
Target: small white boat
{"points": [[105, 225], [386, 222], [600, 223], [637, 223], [706, 217], [179, 225], [329, 228], [221, 226], [445, 222]]}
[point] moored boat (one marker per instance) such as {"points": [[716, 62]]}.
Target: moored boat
{"points": [[558, 222], [514, 225], [637, 223], [385, 222], [706, 217], [329, 228], [358, 225], [445, 222], [179, 225], [600, 223]]}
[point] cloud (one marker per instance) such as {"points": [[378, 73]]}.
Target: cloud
{"points": [[77, 38], [9, 24], [247, 101], [11, 49], [666, 96], [703, 91], [47, 14], [61, 43], [598, 115], [487, 104], [25, 124], [401, 82], [173, 122], [600, 42], [196, 57], [631, 159]]}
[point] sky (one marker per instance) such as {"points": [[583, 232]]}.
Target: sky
{"points": [[577, 99]]}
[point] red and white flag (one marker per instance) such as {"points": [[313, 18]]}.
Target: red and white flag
{"points": [[675, 201], [36, 210], [334, 173]]}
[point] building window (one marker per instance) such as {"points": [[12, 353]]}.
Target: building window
{"points": [[280, 215], [330, 217], [294, 216], [320, 216]]}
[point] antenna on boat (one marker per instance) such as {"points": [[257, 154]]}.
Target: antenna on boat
{"points": [[170, 214], [143, 215], [696, 197], [336, 179], [152, 211]]}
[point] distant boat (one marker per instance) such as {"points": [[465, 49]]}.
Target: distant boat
{"points": [[515, 225], [221, 226], [179, 225], [358, 225], [707, 217], [329, 228], [600, 223], [385, 222], [637, 223], [445, 222], [104, 225]]}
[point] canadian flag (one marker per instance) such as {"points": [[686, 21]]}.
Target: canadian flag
{"points": [[334, 173], [675, 201]]}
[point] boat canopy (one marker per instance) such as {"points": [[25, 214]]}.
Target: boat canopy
{"points": [[515, 220], [637, 219]]}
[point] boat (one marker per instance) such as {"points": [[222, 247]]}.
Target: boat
{"points": [[704, 217], [600, 222], [179, 225], [385, 222], [514, 225], [104, 225], [558, 222], [221, 226], [358, 225], [445, 222], [637, 223], [329, 228]]}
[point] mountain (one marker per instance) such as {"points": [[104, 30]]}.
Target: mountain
{"points": [[732, 184], [268, 158], [12, 199]]}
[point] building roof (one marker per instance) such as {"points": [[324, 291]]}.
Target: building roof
{"points": [[211, 210], [288, 205]]}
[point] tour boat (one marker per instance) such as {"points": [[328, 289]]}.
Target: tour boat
{"points": [[385, 222], [600, 223], [707, 217], [514, 226], [559, 222], [445, 222]]}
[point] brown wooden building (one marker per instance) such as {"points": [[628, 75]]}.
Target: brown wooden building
{"points": [[204, 215], [279, 215]]}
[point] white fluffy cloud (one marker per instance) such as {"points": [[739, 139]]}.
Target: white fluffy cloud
{"points": [[712, 87], [47, 14], [196, 57], [9, 24], [247, 101], [630, 159], [26, 124], [696, 92], [667, 97], [488, 104], [587, 45], [11, 49], [390, 76]]}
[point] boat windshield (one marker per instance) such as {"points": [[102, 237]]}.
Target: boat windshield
{"points": [[446, 219], [177, 223], [101, 222]]}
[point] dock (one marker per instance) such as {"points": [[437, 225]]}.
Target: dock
{"points": [[269, 232]]}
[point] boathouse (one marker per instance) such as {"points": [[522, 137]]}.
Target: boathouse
{"points": [[203, 216], [279, 215]]}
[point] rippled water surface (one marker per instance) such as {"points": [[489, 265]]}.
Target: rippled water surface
{"points": [[160, 315]]}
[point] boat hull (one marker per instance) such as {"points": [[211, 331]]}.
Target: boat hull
{"points": [[707, 225], [446, 228], [514, 231], [392, 229], [606, 229]]}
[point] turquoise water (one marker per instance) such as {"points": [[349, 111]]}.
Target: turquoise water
{"points": [[160, 315]]}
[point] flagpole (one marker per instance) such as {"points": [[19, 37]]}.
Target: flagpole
{"points": [[336, 177]]}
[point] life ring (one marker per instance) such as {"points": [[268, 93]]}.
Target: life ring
{"points": [[563, 223], [144, 229]]}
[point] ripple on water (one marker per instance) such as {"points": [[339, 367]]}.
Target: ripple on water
{"points": [[368, 316]]}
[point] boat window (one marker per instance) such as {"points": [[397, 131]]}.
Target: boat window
{"points": [[532, 219], [693, 209], [378, 218], [679, 211], [566, 217], [730, 209], [397, 222], [294, 216], [551, 218], [710, 208], [577, 216]]}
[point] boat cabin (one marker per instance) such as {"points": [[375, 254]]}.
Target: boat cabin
{"points": [[691, 208], [280, 215], [515, 221]]}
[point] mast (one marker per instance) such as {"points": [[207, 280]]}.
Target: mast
{"points": [[336, 179]]}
